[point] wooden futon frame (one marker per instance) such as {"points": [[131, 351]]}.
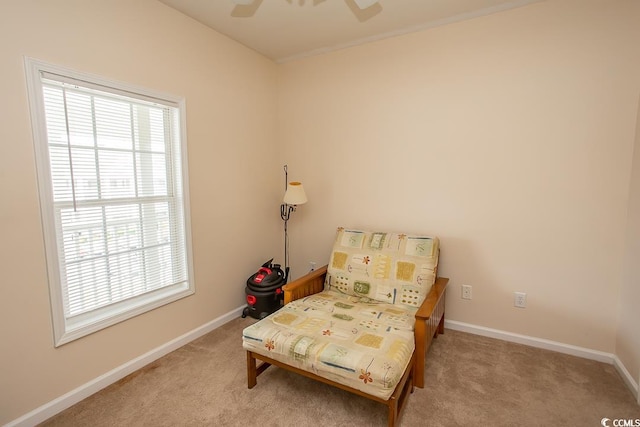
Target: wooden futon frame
{"points": [[429, 323]]}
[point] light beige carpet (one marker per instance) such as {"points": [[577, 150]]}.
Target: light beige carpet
{"points": [[471, 381]]}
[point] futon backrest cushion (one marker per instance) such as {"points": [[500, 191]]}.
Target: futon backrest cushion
{"points": [[396, 268]]}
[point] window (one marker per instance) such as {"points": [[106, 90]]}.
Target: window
{"points": [[111, 162]]}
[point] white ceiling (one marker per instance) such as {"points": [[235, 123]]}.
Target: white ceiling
{"points": [[288, 29]]}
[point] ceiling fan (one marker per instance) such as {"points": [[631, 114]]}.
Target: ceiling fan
{"points": [[362, 4]]}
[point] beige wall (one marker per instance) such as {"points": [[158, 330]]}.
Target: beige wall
{"points": [[230, 94], [628, 338], [509, 136]]}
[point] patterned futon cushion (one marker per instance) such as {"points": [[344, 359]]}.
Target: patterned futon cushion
{"points": [[390, 267], [366, 344]]}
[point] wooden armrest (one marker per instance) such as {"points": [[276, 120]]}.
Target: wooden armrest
{"points": [[309, 284], [429, 323], [431, 301]]}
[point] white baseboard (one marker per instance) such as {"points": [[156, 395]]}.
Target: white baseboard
{"points": [[628, 379], [63, 402], [559, 347]]}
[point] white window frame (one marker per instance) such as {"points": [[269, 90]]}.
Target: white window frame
{"points": [[69, 329]]}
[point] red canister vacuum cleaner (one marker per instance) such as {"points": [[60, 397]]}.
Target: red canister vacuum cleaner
{"points": [[264, 291]]}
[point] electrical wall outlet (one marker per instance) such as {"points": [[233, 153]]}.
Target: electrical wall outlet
{"points": [[520, 299], [312, 265], [466, 292]]}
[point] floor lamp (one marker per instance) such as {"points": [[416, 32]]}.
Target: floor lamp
{"points": [[294, 195]]}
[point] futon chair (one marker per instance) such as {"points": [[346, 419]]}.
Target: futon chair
{"points": [[362, 323]]}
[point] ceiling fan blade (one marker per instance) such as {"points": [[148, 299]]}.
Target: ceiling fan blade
{"points": [[363, 4], [245, 8]]}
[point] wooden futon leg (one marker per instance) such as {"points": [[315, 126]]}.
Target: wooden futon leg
{"points": [[253, 370], [398, 399], [252, 375]]}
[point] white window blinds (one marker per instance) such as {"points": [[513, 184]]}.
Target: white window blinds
{"points": [[116, 198]]}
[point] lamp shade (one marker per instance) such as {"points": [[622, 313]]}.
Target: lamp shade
{"points": [[295, 194]]}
